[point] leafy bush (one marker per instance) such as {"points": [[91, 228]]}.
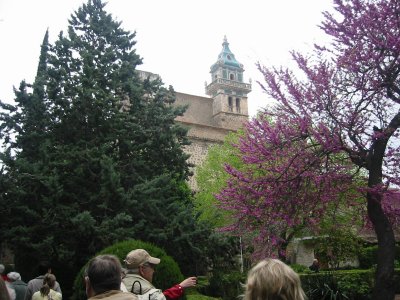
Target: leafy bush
{"points": [[200, 297], [300, 268], [323, 285], [352, 284], [357, 284], [339, 246], [368, 256], [167, 274], [225, 285], [343, 284]]}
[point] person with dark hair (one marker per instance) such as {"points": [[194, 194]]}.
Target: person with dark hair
{"points": [[17, 284], [46, 292], [103, 279], [35, 284]]}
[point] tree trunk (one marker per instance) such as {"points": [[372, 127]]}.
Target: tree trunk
{"points": [[384, 278]]}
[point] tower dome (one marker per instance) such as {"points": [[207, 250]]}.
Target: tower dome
{"points": [[226, 57]]}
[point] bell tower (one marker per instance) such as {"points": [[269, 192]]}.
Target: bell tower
{"points": [[228, 91]]}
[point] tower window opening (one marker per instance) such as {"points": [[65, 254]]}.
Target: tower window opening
{"points": [[230, 104], [232, 76], [238, 105]]}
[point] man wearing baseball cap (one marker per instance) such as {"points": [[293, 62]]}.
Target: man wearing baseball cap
{"points": [[139, 277]]}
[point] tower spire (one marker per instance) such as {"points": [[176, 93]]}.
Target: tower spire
{"points": [[227, 89]]}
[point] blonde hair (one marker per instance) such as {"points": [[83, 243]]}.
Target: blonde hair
{"points": [[271, 279]]}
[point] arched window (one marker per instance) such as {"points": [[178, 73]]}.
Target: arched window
{"points": [[238, 105], [230, 104], [232, 76]]}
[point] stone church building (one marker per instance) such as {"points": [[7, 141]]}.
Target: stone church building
{"points": [[210, 119]]}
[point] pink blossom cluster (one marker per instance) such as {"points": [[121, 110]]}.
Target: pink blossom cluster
{"points": [[336, 121]]}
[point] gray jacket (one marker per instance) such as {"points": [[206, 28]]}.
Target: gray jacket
{"points": [[20, 289], [35, 284]]}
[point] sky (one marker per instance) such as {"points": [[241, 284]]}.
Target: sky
{"points": [[177, 39]]}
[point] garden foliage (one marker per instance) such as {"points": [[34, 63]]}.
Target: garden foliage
{"points": [[91, 154], [336, 118]]}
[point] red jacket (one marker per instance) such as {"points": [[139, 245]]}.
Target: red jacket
{"points": [[174, 292]]}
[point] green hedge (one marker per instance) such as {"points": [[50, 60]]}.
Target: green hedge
{"points": [[368, 256], [167, 273], [345, 284], [200, 297], [224, 285]]}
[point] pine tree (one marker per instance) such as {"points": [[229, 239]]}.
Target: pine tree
{"points": [[97, 157]]}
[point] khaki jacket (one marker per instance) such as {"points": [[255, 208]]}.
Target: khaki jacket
{"points": [[142, 284], [114, 295]]}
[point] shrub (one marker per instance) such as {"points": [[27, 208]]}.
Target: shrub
{"points": [[339, 246], [368, 256], [226, 285], [201, 297], [357, 284], [167, 274], [300, 268], [323, 285], [352, 284]]}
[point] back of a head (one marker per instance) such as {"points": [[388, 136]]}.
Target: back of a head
{"points": [[271, 279], [43, 268], [13, 276], [104, 273], [49, 281]]}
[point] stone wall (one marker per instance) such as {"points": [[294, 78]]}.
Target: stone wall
{"points": [[199, 110], [301, 251], [198, 151], [205, 129], [230, 120]]}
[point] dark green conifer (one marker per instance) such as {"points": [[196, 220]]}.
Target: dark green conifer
{"points": [[92, 154]]}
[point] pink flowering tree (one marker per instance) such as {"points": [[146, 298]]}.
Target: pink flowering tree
{"points": [[334, 121]]}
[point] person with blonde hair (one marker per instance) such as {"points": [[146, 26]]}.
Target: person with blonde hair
{"points": [[46, 292], [271, 279]]}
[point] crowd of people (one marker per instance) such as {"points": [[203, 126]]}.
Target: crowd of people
{"points": [[106, 279], [42, 287]]}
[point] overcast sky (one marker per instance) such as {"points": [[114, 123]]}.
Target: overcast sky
{"points": [[177, 39]]}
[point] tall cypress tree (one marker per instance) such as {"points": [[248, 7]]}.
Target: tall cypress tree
{"points": [[97, 157]]}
